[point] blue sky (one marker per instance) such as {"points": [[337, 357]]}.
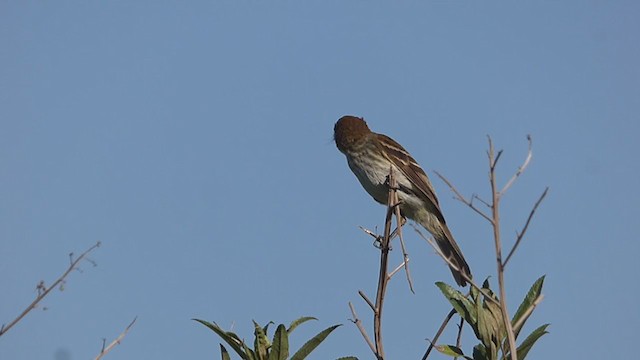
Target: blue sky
{"points": [[194, 140]]}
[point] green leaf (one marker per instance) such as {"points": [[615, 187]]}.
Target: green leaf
{"points": [[224, 352], [496, 314], [532, 295], [488, 328], [280, 347], [266, 327], [310, 345], [295, 323], [449, 350], [480, 352], [261, 342], [460, 303], [526, 345], [230, 338], [251, 355]]}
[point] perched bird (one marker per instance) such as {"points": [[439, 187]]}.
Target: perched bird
{"points": [[370, 156]]}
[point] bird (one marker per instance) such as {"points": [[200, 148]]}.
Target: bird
{"points": [[370, 157]]}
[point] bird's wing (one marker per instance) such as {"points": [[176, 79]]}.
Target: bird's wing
{"points": [[412, 170]]}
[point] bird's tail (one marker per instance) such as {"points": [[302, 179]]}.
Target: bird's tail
{"points": [[451, 251]]}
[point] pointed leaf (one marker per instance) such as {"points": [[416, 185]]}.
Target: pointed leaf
{"points": [[496, 314], [487, 326], [224, 352], [526, 345], [310, 345], [266, 327], [487, 289], [260, 342], [449, 350], [463, 306], [280, 347], [230, 338], [532, 295], [251, 355], [295, 323]]}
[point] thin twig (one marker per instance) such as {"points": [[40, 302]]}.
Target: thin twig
{"points": [[459, 337], [44, 291], [383, 277], [405, 256], [437, 335], [520, 235], [461, 198], [366, 299], [455, 267], [116, 341], [378, 238], [495, 207], [398, 268], [475, 196], [520, 169], [356, 320], [528, 312], [369, 232]]}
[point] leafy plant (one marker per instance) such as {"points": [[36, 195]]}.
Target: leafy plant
{"points": [[481, 310], [277, 348]]}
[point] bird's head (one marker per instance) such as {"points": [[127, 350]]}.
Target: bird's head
{"points": [[349, 132]]}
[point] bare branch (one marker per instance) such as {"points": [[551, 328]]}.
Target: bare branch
{"points": [[459, 337], [520, 169], [115, 342], [383, 276], [461, 198], [474, 196], [405, 256], [495, 162], [526, 226], [437, 335], [369, 232], [356, 320], [495, 216], [43, 291], [366, 299], [398, 268], [455, 267], [528, 312]]}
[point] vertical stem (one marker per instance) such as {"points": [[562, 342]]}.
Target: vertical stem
{"points": [[495, 208], [383, 276]]}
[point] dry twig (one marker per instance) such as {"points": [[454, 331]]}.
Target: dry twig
{"points": [[520, 235], [115, 342], [520, 169], [358, 323], [455, 267], [494, 220], [437, 335], [384, 276], [528, 312], [495, 212], [462, 199], [44, 291]]}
